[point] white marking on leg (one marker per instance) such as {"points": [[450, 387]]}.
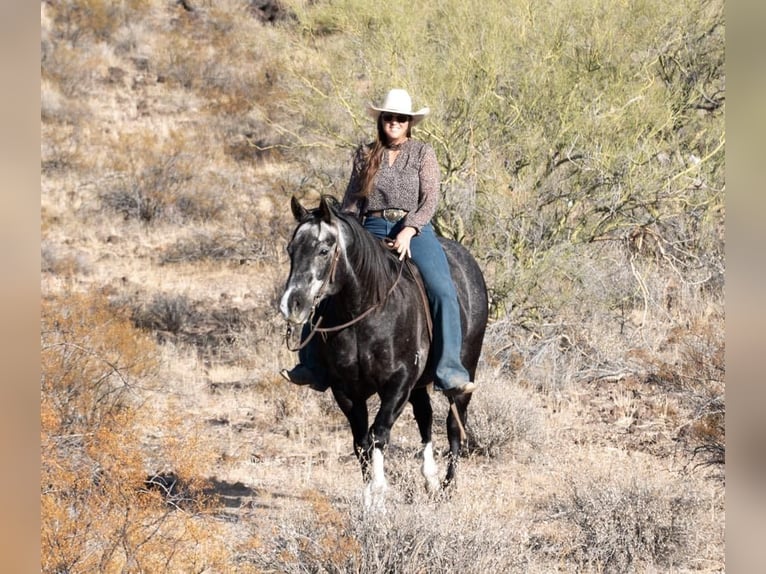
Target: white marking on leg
{"points": [[375, 491], [429, 469]]}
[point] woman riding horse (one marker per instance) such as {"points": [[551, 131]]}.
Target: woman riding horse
{"points": [[394, 191]]}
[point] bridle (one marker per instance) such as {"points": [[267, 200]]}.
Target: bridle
{"points": [[315, 328]]}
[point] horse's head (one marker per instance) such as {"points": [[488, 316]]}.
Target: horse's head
{"points": [[314, 250]]}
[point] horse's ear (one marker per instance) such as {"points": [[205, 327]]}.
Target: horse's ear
{"points": [[299, 212], [325, 211]]}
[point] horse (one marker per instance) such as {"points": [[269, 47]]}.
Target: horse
{"points": [[369, 313]]}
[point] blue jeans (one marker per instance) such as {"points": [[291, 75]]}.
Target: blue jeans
{"points": [[428, 256]]}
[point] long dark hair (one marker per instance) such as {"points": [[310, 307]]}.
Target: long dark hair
{"points": [[373, 156]]}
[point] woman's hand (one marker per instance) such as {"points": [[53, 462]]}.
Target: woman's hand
{"points": [[402, 242]]}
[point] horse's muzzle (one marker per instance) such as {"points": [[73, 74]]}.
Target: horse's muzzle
{"points": [[294, 307]]}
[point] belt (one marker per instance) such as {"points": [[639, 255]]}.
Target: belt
{"points": [[391, 215]]}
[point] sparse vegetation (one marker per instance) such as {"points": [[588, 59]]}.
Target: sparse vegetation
{"points": [[582, 154], [97, 508], [504, 419], [620, 522]]}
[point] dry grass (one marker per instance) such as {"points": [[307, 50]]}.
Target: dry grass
{"points": [[171, 142]]}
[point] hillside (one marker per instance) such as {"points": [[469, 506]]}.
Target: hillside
{"points": [[581, 146]]}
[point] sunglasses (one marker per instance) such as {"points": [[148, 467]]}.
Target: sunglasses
{"points": [[396, 117]]}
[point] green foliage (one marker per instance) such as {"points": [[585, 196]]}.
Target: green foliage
{"points": [[566, 122]]}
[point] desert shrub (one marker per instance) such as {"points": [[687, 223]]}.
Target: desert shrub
{"points": [[707, 433], [251, 139], [53, 260], [177, 319], [148, 200], [203, 247], [61, 150], [166, 313], [698, 377], [223, 332], [503, 417], [69, 76], [93, 20], [92, 358], [97, 510], [218, 247], [405, 539], [157, 179], [625, 522]]}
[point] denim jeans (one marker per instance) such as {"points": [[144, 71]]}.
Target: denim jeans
{"points": [[428, 256]]}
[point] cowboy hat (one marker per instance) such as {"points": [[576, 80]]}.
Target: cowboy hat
{"points": [[398, 101]]}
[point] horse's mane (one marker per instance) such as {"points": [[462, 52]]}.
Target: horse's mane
{"points": [[376, 266]]}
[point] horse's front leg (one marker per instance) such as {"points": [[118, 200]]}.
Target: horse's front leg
{"points": [[376, 487], [367, 449], [424, 415], [392, 404], [356, 413]]}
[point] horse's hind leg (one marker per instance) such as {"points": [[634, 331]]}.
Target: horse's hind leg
{"points": [[421, 408], [454, 437]]}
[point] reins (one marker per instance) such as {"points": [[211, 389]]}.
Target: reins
{"points": [[315, 326]]}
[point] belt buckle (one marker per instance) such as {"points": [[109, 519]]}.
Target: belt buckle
{"points": [[393, 215]]}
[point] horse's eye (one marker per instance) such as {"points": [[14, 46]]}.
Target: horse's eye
{"points": [[324, 251]]}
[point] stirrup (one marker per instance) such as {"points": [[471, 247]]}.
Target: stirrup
{"points": [[300, 375], [464, 389]]}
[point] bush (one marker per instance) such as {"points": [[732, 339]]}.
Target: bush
{"points": [[406, 539], [218, 247], [626, 523], [503, 417], [98, 513], [159, 181], [93, 19]]}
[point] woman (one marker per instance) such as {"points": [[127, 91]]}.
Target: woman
{"points": [[394, 190]]}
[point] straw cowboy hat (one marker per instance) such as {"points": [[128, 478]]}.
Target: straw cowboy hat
{"points": [[398, 101]]}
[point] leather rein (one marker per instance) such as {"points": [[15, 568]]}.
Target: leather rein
{"points": [[320, 295]]}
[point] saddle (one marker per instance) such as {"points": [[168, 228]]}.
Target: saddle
{"points": [[411, 267]]}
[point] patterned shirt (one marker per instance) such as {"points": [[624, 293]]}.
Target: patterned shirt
{"points": [[411, 183]]}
